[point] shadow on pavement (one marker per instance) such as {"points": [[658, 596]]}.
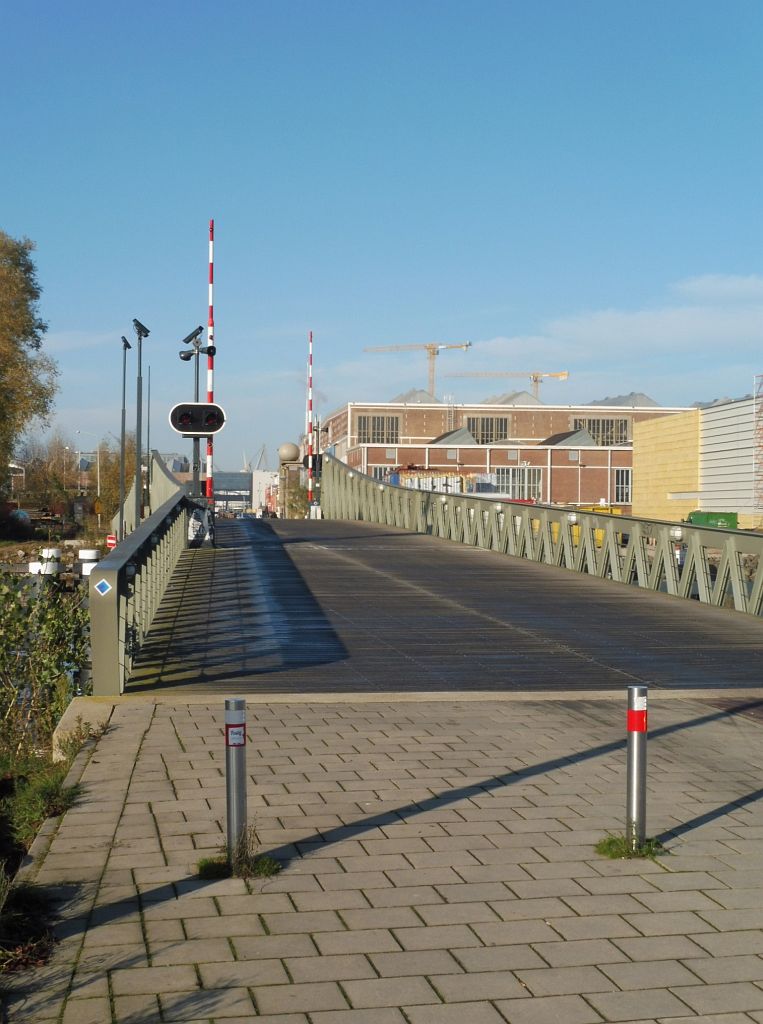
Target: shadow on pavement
{"points": [[285, 854], [108, 913], [237, 612]]}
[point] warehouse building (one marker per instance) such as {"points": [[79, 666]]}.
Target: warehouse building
{"points": [[513, 446], [707, 459]]}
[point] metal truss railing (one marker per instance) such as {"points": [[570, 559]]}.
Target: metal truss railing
{"points": [[127, 585], [714, 566]]}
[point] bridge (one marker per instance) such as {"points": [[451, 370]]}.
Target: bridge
{"points": [[387, 597], [432, 756]]}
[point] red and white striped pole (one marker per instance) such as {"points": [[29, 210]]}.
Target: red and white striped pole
{"points": [[211, 361], [635, 812], [310, 423]]}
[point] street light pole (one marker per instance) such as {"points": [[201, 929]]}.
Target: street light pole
{"points": [[97, 471], [125, 345], [142, 332], [194, 340]]}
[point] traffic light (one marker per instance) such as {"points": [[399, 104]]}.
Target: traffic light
{"points": [[197, 419], [317, 460]]}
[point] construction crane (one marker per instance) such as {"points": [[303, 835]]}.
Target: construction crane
{"points": [[536, 377], [432, 349]]}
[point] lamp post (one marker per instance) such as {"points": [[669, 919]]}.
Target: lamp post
{"points": [[97, 471], [142, 332], [125, 345], [16, 470], [194, 340]]}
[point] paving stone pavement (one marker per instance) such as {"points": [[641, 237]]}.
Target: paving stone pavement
{"points": [[438, 866]]}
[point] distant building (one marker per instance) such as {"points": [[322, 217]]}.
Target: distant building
{"points": [[233, 491], [262, 481], [515, 446], [706, 459]]}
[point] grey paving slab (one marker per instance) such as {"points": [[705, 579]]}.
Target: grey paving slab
{"points": [[650, 1002], [136, 1009], [721, 998], [456, 1013], [376, 1015]]}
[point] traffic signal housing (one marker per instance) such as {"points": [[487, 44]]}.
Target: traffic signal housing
{"points": [[197, 419], [317, 463]]}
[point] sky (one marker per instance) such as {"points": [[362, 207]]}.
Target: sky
{"points": [[568, 184]]}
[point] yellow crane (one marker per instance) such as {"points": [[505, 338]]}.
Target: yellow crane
{"points": [[432, 349], [535, 376]]}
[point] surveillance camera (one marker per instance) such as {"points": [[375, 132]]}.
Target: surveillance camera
{"points": [[190, 338], [140, 330], [125, 342], [186, 355]]}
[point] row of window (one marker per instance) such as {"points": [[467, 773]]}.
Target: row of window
{"points": [[605, 431], [488, 429], [523, 483], [378, 429]]}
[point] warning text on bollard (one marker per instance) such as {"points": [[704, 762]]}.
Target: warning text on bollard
{"points": [[235, 735]]}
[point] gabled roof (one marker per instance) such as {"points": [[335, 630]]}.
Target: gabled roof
{"points": [[571, 439], [461, 436], [636, 399], [416, 396], [513, 398]]}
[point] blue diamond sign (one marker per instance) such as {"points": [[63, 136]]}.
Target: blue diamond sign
{"points": [[103, 587]]}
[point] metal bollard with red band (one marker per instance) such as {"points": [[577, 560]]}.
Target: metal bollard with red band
{"points": [[235, 770], [635, 812]]}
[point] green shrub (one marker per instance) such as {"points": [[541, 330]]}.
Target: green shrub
{"points": [[43, 642]]}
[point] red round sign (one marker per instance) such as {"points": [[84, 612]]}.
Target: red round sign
{"points": [[111, 541]]}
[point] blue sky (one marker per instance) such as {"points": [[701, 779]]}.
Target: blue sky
{"points": [[570, 185]]}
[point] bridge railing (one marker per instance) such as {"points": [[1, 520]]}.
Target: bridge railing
{"points": [[127, 585], [715, 566]]}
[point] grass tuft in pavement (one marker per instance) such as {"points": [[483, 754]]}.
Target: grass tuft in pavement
{"points": [[245, 863], [617, 847]]}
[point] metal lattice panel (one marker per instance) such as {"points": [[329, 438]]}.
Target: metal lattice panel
{"points": [[714, 566]]}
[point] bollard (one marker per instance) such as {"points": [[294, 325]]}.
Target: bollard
{"points": [[635, 811], [235, 770]]}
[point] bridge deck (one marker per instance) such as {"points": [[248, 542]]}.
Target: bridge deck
{"points": [[321, 606]]}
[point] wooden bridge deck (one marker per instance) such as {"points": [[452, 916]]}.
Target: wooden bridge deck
{"points": [[319, 606]]}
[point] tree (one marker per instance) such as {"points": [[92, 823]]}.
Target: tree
{"points": [[110, 474], [27, 375], [296, 500]]}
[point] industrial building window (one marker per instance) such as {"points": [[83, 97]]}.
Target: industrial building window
{"points": [[623, 486], [378, 472], [523, 482], [487, 429], [604, 431], [378, 429]]}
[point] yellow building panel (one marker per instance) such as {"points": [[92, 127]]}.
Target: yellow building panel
{"points": [[666, 466]]}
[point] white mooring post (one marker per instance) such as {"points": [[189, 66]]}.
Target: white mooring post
{"points": [[235, 770], [635, 811]]}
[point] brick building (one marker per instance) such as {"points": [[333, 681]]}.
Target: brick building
{"points": [[579, 455]]}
